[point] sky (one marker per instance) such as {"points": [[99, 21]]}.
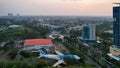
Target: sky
{"points": [[57, 7]]}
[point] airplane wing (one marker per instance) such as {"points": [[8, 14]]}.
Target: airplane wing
{"points": [[39, 57], [59, 53], [57, 63]]}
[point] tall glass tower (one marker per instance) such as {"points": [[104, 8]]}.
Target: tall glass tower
{"points": [[89, 32], [116, 26], [115, 49]]}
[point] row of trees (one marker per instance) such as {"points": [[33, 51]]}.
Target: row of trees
{"points": [[23, 64], [33, 26], [27, 54], [12, 34], [29, 30]]}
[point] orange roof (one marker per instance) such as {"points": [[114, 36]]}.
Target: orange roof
{"points": [[30, 42]]}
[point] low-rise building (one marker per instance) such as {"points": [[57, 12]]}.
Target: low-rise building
{"points": [[14, 26], [35, 44], [51, 27], [114, 53]]}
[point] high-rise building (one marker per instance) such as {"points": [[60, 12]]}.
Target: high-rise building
{"points": [[115, 49], [88, 32], [116, 26], [10, 14]]}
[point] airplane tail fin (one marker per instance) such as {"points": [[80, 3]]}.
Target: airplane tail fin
{"points": [[42, 52]]}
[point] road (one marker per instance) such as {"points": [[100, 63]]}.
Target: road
{"points": [[90, 60], [2, 44]]}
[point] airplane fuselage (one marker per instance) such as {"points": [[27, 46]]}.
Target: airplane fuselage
{"points": [[58, 57], [51, 56]]}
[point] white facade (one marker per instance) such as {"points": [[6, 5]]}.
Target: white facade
{"points": [[33, 47], [92, 32], [14, 26]]}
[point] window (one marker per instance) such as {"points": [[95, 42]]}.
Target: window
{"points": [[114, 19]]}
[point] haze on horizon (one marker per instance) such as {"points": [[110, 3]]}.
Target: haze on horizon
{"points": [[57, 7]]}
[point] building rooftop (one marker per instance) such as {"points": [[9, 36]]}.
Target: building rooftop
{"points": [[114, 57], [117, 4], [30, 42]]}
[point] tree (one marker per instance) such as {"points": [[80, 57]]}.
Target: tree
{"points": [[14, 66], [2, 64], [41, 63], [26, 54], [12, 53]]}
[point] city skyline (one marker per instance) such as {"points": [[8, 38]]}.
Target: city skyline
{"points": [[57, 7]]}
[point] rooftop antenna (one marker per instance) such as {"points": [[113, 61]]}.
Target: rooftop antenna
{"points": [[117, 3]]}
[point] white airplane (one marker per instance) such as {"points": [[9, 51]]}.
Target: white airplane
{"points": [[60, 57]]}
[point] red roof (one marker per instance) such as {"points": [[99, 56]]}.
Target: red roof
{"points": [[30, 42]]}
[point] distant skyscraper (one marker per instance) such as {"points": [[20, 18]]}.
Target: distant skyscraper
{"points": [[89, 32], [17, 15], [115, 49], [10, 14]]}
